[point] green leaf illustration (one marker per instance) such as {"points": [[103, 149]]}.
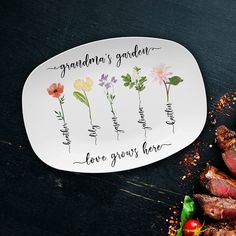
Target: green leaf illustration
{"points": [[137, 82], [175, 80], [112, 97], [126, 78], [143, 79], [58, 113], [137, 68], [140, 87], [131, 85], [81, 97], [62, 99]]}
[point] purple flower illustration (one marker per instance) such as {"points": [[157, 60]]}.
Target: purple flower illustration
{"points": [[103, 81], [113, 79], [108, 83]]}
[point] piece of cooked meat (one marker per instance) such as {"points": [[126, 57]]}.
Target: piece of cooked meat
{"points": [[226, 138], [218, 183], [217, 208], [220, 229], [229, 158]]}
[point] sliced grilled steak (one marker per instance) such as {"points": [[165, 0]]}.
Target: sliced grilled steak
{"points": [[217, 208], [229, 158], [220, 229], [226, 138], [218, 183]]}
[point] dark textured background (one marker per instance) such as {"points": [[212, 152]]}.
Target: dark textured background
{"points": [[38, 200]]}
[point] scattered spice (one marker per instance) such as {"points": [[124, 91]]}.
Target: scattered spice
{"points": [[183, 177], [173, 220], [223, 107], [225, 102], [190, 160]]}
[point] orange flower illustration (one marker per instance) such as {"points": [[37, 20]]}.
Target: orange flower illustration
{"points": [[55, 90]]}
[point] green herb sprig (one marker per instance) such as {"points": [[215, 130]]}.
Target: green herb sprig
{"points": [[189, 209]]}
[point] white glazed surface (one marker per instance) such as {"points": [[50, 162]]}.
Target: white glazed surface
{"points": [[188, 100]]}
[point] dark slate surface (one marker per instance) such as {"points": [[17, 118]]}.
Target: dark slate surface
{"points": [[38, 200]]}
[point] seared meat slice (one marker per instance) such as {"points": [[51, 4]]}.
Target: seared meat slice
{"points": [[220, 229], [218, 183], [229, 158], [226, 138], [217, 208]]}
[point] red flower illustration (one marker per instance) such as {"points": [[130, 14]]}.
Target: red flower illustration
{"points": [[55, 90]]}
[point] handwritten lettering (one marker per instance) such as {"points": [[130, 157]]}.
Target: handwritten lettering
{"points": [[92, 160], [86, 62], [93, 132], [106, 58], [65, 132], [114, 157], [117, 155], [142, 120], [153, 148], [170, 115], [116, 125], [135, 53]]}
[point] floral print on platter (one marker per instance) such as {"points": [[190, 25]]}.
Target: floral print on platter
{"points": [[82, 87], [108, 83], [137, 81], [133, 81], [162, 74], [56, 91]]}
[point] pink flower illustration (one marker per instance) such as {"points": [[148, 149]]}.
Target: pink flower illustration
{"points": [[160, 73], [55, 90]]}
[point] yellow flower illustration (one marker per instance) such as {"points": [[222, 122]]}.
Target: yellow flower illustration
{"points": [[84, 85]]}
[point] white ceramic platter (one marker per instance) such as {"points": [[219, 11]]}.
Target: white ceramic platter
{"points": [[114, 104]]}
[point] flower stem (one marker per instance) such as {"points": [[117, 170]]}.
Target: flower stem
{"points": [[114, 115], [139, 99], [111, 104], [62, 111], [167, 91], [90, 113], [63, 116], [139, 106]]}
